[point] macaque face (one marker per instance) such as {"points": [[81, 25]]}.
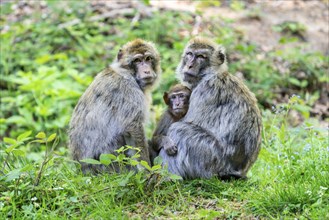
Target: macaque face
{"points": [[195, 61], [142, 60], [177, 100], [143, 64]]}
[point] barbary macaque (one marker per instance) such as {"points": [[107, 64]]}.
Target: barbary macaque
{"points": [[111, 112], [177, 100], [220, 135]]}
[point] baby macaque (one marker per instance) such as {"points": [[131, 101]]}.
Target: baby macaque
{"points": [[177, 100]]}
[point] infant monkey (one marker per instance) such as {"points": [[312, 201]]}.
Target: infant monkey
{"points": [[177, 100]]}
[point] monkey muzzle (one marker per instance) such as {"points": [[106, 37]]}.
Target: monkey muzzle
{"points": [[179, 112], [145, 81], [178, 107], [190, 77]]}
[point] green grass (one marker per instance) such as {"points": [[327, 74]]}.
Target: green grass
{"points": [[290, 179], [45, 69]]}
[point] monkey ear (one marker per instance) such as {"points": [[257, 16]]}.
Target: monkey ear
{"points": [[120, 54], [221, 56], [166, 98]]}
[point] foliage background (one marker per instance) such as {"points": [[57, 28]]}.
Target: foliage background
{"points": [[50, 52]]}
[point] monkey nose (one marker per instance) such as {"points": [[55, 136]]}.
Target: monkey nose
{"points": [[189, 74], [147, 72]]}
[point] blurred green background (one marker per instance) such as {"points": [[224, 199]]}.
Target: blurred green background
{"points": [[51, 51]]}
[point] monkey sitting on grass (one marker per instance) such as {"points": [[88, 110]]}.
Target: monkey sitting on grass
{"points": [[111, 112], [177, 100], [220, 135]]}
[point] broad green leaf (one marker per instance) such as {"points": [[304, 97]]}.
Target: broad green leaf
{"points": [[51, 137], [304, 83], [41, 135], [120, 157], [24, 135], [105, 159], [11, 148], [112, 156], [156, 167], [145, 164], [90, 161], [134, 162], [294, 81], [18, 152], [16, 119], [9, 140]]}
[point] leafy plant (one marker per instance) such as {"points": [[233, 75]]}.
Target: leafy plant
{"points": [[49, 57]]}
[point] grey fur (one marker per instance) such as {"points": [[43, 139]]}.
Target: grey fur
{"points": [[221, 133], [160, 138], [112, 111], [177, 101]]}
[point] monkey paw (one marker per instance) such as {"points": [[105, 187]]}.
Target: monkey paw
{"points": [[171, 149], [168, 145]]}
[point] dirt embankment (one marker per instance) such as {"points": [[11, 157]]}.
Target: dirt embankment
{"points": [[256, 20]]}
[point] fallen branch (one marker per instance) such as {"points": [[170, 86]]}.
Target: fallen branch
{"points": [[110, 14]]}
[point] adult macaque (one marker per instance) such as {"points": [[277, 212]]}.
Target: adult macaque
{"points": [[220, 135], [111, 112], [177, 100]]}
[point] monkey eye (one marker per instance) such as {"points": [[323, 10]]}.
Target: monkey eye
{"points": [[189, 54], [148, 59], [137, 60], [181, 95], [200, 56]]}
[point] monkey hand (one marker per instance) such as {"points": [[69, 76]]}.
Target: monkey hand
{"points": [[169, 146]]}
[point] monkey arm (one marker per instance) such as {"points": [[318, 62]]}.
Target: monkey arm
{"points": [[160, 138], [199, 155], [162, 141], [163, 125], [155, 142]]}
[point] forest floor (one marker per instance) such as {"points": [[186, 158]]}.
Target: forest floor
{"points": [[256, 20]]}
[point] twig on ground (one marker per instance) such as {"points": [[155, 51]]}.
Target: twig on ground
{"points": [[103, 16]]}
